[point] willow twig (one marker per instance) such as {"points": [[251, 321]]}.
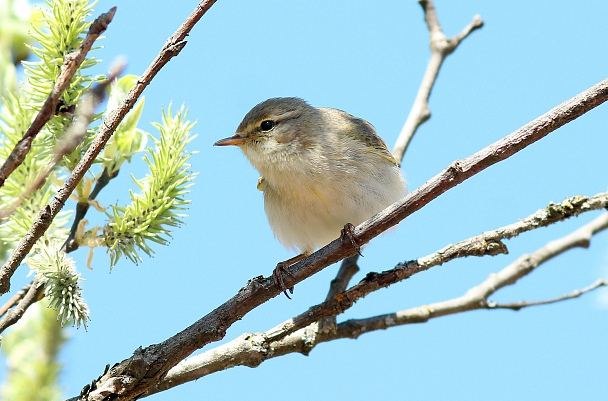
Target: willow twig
{"points": [[70, 65], [74, 135]]}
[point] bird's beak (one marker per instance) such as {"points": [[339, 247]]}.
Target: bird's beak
{"points": [[235, 139]]}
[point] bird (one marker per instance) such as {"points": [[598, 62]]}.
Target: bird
{"points": [[322, 172]]}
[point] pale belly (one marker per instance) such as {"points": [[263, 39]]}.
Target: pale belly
{"points": [[311, 215]]}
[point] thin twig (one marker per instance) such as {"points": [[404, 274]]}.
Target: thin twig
{"points": [[70, 65], [46, 215], [153, 362], [16, 298], [441, 47], [251, 349], [524, 304], [82, 208], [348, 268], [33, 295]]}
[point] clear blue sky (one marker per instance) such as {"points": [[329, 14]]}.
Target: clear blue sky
{"points": [[369, 60]]}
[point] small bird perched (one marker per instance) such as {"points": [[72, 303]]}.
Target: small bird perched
{"points": [[322, 171]]}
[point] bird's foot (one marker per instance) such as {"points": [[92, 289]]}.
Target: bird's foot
{"points": [[282, 269], [348, 234]]}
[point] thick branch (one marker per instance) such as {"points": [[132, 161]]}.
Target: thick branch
{"points": [[70, 65], [46, 215], [135, 376], [441, 47]]}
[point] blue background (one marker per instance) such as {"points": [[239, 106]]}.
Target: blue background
{"points": [[369, 59]]}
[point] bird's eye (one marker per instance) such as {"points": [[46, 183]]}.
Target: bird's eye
{"points": [[267, 125]]}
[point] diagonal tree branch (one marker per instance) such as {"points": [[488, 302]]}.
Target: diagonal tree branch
{"points": [[460, 170], [47, 111], [441, 47], [171, 48], [251, 349], [136, 375]]}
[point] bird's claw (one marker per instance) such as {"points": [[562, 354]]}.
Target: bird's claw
{"points": [[348, 233], [277, 274]]}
